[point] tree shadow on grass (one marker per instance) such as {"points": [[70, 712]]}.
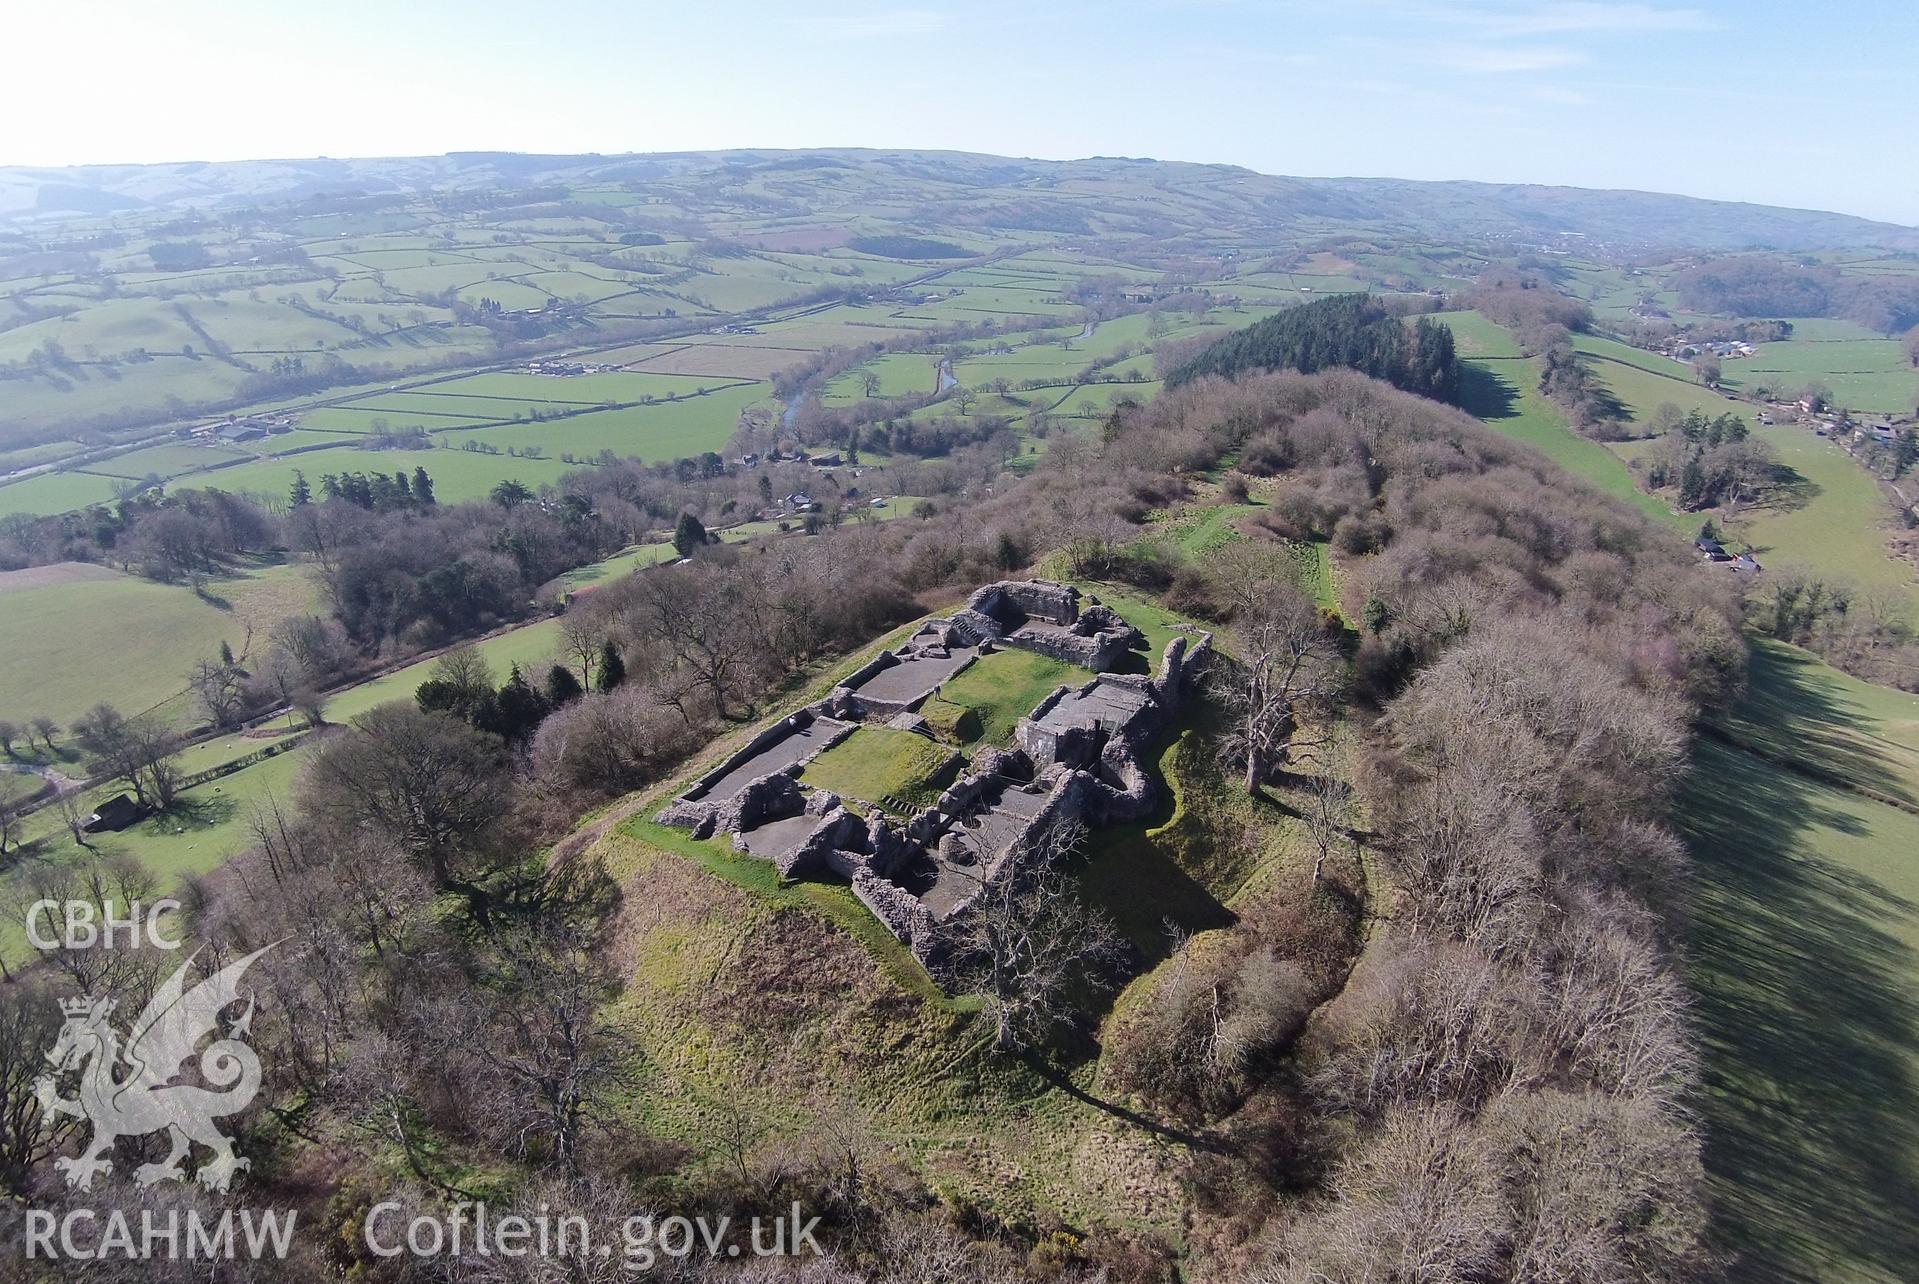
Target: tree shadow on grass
{"points": [[1059, 1079], [1485, 394], [193, 813], [1787, 490], [1792, 714], [1809, 1028]]}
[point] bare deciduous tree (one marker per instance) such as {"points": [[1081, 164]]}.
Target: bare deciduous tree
{"points": [[29, 1022], [583, 634], [537, 1036], [138, 751], [47, 728], [1278, 685], [1030, 939], [704, 620], [426, 780], [221, 690]]}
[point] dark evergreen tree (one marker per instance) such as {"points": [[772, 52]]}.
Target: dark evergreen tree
{"points": [[561, 686], [519, 707], [612, 667], [689, 535], [422, 486], [510, 494], [1349, 330], [302, 494], [1692, 483]]}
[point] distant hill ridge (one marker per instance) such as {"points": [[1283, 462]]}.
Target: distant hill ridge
{"points": [[1228, 196]]}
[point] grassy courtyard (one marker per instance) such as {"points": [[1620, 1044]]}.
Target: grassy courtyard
{"points": [[899, 770], [983, 704]]}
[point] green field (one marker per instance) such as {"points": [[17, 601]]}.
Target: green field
{"points": [[668, 430], [17, 787], [983, 703], [165, 461], [585, 390], [58, 492], [1862, 374], [1643, 381], [1833, 521], [900, 374], [1476, 336], [533, 647], [1503, 391], [209, 827], [1805, 961], [77, 635], [457, 474]]}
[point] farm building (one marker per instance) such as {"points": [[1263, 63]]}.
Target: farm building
{"points": [[1711, 549], [113, 815]]}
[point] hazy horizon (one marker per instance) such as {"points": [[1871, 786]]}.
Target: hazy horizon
{"points": [[857, 147], [1764, 103]]}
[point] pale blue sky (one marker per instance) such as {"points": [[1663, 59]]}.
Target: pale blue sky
{"points": [[1807, 104]]}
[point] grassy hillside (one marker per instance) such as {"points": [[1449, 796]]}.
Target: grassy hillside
{"points": [[1502, 389], [76, 635], [1833, 520], [1805, 961], [1642, 381]]}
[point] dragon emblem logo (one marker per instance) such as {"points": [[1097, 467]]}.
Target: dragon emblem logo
{"points": [[135, 1089]]}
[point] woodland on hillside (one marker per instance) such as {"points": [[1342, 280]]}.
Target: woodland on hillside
{"points": [[1496, 1091]]}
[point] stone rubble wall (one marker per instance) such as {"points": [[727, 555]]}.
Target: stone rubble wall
{"points": [[1133, 797], [1117, 788], [977, 627], [888, 849], [902, 914], [847, 702], [1037, 599], [1067, 802], [1179, 668], [836, 828], [774, 796]]}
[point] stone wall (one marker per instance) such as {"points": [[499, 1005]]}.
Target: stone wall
{"points": [[1067, 802], [1179, 669], [1038, 599], [774, 796], [1097, 778], [873, 667], [764, 738], [902, 914], [837, 829]]}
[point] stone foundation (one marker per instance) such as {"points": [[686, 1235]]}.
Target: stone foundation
{"points": [[1086, 745], [1044, 617]]}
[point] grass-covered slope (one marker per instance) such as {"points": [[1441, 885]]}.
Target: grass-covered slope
{"points": [[1805, 963]]}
